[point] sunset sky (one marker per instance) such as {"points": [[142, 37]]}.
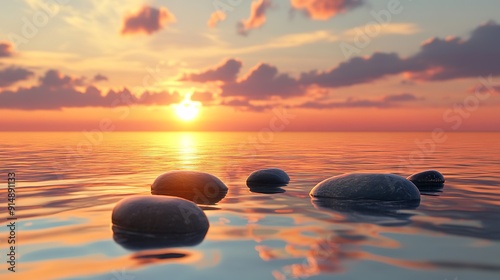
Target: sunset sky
{"points": [[322, 65]]}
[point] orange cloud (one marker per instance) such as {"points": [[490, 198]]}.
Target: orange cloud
{"points": [[6, 49], [215, 18], [147, 20], [257, 17], [325, 9]]}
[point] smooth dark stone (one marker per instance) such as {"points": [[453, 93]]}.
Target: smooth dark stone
{"points": [[428, 180], [172, 219], [271, 177], [199, 187], [365, 186]]}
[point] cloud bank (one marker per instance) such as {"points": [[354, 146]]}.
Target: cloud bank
{"points": [[388, 101], [437, 60], [56, 91]]}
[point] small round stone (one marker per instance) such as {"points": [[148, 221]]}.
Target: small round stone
{"points": [[268, 177], [159, 215], [430, 179], [365, 186], [199, 187]]}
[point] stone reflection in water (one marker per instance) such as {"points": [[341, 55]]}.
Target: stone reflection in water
{"points": [[266, 188], [388, 212], [137, 242], [434, 192], [159, 256]]}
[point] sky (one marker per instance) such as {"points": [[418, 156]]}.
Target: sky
{"points": [[250, 65]]}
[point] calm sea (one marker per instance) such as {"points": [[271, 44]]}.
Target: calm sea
{"points": [[68, 183]]}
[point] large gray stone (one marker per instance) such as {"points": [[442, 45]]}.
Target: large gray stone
{"points": [[199, 187], [271, 177], [428, 180], [159, 215], [365, 186]]}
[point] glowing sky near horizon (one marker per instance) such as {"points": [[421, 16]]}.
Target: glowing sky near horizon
{"points": [[331, 64]]}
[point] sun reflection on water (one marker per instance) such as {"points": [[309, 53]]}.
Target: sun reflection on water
{"points": [[187, 152]]}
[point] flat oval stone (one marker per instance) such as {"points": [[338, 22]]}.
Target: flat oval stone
{"points": [[199, 187], [366, 186], [271, 177], [159, 216], [428, 180]]}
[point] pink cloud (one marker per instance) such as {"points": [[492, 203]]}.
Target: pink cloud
{"points": [[325, 9], [6, 49], [147, 20], [257, 17]]}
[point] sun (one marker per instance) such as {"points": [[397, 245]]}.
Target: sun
{"points": [[187, 110]]}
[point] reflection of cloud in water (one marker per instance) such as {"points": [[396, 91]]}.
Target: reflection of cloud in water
{"points": [[328, 255]]}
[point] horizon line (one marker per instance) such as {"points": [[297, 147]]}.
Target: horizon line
{"points": [[286, 131]]}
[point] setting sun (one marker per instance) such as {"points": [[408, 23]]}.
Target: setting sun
{"points": [[187, 110]]}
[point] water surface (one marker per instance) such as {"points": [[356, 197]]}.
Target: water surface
{"points": [[68, 184]]}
